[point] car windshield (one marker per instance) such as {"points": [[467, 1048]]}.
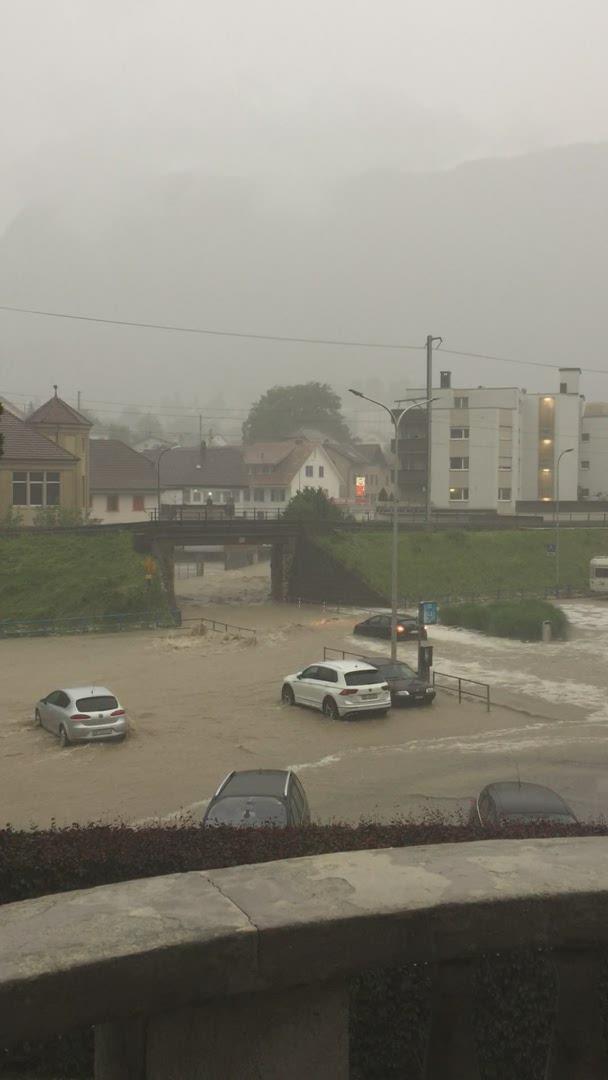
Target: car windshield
{"points": [[97, 704], [397, 671], [363, 677], [241, 811]]}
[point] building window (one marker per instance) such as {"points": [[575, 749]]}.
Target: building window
{"points": [[111, 503], [459, 494], [36, 489], [504, 494], [584, 464], [459, 433], [246, 495], [309, 470], [258, 494], [461, 402], [321, 470], [195, 496], [277, 495], [584, 493], [138, 502], [505, 464], [585, 436], [458, 464]]}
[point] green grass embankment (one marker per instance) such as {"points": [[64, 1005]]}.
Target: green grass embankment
{"points": [[459, 563], [43, 576]]}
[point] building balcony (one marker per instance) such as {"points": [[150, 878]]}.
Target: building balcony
{"points": [[248, 972]]}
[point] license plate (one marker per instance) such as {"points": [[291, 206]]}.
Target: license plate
{"points": [[368, 696]]}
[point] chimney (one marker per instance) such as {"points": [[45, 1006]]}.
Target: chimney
{"points": [[445, 380]]}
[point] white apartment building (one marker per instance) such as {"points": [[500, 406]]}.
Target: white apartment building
{"points": [[492, 447]]}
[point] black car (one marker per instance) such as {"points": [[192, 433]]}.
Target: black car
{"points": [[259, 797], [405, 684], [379, 626], [512, 802]]}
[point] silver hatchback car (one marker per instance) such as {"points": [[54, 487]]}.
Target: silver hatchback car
{"points": [[82, 714]]}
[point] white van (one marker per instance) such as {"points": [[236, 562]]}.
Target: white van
{"points": [[598, 574]]}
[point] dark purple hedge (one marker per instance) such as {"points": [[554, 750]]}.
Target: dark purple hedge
{"points": [[38, 862]]}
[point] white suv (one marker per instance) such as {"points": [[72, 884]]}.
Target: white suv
{"points": [[338, 688]]}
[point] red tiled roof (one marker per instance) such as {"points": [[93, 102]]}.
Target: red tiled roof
{"points": [[267, 453], [114, 466], [57, 411], [24, 443]]}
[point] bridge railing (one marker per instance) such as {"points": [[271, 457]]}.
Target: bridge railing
{"points": [[288, 969]]}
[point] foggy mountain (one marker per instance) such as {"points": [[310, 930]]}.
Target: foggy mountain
{"points": [[504, 255]]}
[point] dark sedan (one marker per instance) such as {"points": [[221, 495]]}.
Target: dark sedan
{"points": [[379, 626], [405, 685], [513, 802]]}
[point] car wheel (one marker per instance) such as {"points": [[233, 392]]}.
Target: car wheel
{"points": [[63, 737], [428, 701], [330, 709], [287, 695], [37, 718], [383, 712]]}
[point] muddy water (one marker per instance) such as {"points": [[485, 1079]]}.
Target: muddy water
{"points": [[202, 705]]}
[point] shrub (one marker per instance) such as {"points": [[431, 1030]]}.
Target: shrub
{"points": [[521, 619]]}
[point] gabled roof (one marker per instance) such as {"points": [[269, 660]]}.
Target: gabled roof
{"points": [[209, 467], [267, 453], [57, 411], [24, 443], [114, 466]]}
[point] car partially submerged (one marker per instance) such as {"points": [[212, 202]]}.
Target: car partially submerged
{"points": [[380, 626], [82, 714], [406, 686]]}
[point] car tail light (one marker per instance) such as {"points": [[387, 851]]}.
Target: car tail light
{"points": [[118, 712], [349, 690], [80, 716]]}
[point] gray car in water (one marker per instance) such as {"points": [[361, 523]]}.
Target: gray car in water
{"points": [[82, 714]]}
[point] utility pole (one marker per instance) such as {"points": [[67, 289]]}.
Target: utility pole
{"points": [[570, 450], [430, 340], [78, 406], [200, 430], [396, 419]]}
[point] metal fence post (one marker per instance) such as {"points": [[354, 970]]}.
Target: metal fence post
{"points": [[459, 691]]}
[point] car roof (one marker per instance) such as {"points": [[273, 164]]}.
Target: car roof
{"points": [[382, 661], [87, 691], [256, 782], [513, 796], [345, 665]]}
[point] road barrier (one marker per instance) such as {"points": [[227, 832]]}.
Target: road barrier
{"points": [[462, 687], [85, 624], [221, 627]]}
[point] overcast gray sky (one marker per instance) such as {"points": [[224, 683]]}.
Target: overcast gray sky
{"points": [[95, 94]]}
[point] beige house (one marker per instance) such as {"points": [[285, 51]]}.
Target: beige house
{"points": [[45, 461]]}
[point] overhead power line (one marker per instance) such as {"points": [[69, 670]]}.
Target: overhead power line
{"points": [[211, 333]]}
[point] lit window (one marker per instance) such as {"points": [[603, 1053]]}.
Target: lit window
{"points": [[459, 494]]}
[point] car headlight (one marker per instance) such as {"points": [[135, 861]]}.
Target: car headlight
{"points": [[429, 690], [403, 693]]}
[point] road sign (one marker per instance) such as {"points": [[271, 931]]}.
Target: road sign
{"points": [[550, 549], [427, 612]]}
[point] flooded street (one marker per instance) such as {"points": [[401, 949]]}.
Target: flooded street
{"points": [[201, 705]]}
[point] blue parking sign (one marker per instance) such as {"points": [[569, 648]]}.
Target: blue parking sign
{"points": [[427, 612]]}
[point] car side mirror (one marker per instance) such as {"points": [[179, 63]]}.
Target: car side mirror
{"points": [[299, 675]]}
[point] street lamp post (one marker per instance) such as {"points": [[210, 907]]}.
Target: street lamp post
{"points": [[158, 460], [396, 419], [568, 451]]}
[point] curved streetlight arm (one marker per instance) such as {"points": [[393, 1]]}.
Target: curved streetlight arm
{"points": [[396, 420]]}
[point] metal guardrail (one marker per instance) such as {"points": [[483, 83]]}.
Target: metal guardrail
{"points": [[84, 624], [221, 627], [462, 687]]}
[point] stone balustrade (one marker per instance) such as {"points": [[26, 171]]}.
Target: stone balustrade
{"points": [[244, 972]]}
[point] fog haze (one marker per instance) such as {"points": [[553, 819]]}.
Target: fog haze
{"points": [[346, 169]]}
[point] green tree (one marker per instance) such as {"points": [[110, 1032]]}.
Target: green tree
{"points": [[312, 504], [283, 410]]}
